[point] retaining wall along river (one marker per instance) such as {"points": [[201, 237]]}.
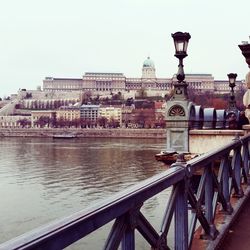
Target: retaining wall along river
{"points": [[102, 133]]}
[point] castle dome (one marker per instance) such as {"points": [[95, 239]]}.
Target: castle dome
{"points": [[148, 63]]}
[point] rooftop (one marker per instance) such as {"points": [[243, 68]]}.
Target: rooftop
{"points": [[103, 73], [52, 78]]}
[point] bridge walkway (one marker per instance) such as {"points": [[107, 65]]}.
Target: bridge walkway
{"points": [[239, 234]]}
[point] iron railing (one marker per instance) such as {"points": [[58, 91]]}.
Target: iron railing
{"points": [[199, 189]]}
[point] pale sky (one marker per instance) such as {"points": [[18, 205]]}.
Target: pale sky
{"points": [[66, 38]]}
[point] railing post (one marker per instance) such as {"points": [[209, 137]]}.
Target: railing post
{"points": [[128, 241], [181, 218], [236, 171], [245, 158], [209, 193], [181, 210], [224, 167]]}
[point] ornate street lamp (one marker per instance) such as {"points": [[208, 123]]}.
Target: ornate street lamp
{"points": [[232, 101], [179, 110], [232, 79], [181, 43]]}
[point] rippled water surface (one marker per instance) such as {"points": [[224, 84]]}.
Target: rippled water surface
{"points": [[45, 179]]}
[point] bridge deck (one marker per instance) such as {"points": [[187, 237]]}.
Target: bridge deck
{"points": [[239, 234]]}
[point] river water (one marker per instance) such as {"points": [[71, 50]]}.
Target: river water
{"points": [[43, 179]]}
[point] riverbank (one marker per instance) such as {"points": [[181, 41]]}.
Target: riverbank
{"points": [[87, 133]]}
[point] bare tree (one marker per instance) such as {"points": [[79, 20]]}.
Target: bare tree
{"points": [[24, 122], [102, 121], [86, 97]]}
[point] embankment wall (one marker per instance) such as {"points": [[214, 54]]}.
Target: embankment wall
{"points": [[116, 133]]}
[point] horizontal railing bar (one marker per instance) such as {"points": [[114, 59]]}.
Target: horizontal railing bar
{"points": [[70, 229]]}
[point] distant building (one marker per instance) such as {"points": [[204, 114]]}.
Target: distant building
{"points": [[69, 113], [108, 83], [89, 112], [61, 84], [222, 86], [36, 115], [111, 113], [199, 82], [103, 82], [12, 121]]}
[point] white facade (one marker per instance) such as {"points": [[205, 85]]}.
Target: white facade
{"points": [[9, 121], [107, 83], [222, 86]]}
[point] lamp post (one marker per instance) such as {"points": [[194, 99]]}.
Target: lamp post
{"points": [[181, 42], [232, 101], [179, 110]]}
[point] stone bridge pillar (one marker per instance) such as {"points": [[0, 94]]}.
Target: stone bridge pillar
{"points": [[179, 114]]}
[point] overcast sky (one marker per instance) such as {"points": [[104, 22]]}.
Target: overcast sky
{"points": [[62, 38]]}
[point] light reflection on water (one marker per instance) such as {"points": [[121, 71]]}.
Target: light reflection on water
{"points": [[45, 179]]}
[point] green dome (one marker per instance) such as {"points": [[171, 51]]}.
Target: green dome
{"points": [[148, 63]]}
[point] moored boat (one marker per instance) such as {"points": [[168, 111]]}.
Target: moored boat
{"points": [[171, 157], [64, 136]]}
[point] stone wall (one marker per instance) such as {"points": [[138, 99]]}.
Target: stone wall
{"points": [[202, 141], [105, 133]]}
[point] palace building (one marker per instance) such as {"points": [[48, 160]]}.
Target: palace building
{"points": [[108, 83]]}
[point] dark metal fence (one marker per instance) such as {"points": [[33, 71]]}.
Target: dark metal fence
{"points": [[199, 189]]}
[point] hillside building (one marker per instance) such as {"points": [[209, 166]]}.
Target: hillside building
{"points": [[69, 113], [89, 112], [12, 121], [108, 83], [111, 113]]}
